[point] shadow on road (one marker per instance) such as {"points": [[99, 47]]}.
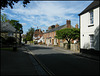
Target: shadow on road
{"points": [[37, 47], [67, 64]]}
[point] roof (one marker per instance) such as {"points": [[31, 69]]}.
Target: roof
{"points": [[58, 28], [54, 29], [7, 27], [93, 5]]}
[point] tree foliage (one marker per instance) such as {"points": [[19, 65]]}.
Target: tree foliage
{"points": [[4, 18], [16, 24], [6, 3], [29, 34], [68, 34]]}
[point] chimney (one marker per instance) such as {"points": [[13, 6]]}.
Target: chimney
{"points": [[68, 24], [49, 28], [39, 30], [56, 25], [76, 26]]}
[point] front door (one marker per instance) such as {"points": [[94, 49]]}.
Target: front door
{"points": [[52, 41]]}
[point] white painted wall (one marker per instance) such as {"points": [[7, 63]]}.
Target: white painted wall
{"points": [[55, 41], [86, 31]]}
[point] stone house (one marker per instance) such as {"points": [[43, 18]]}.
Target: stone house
{"points": [[7, 30], [49, 35]]}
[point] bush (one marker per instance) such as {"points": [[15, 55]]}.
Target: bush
{"points": [[11, 40], [2, 40]]}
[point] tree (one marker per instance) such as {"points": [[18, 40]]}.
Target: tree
{"points": [[5, 3], [29, 34], [4, 18], [68, 34], [16, 24]]}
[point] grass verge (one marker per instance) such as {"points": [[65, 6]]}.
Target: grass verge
{"points": [[7, 49]]}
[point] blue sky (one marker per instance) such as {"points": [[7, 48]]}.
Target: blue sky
{"points": [[46, 13]]}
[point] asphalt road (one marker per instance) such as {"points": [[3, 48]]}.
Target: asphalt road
{"points": [[61, 63]]}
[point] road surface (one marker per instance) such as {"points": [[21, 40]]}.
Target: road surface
{"points": [[58, 62]]}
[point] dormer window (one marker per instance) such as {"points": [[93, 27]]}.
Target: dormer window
{"points": [[91, 17]]}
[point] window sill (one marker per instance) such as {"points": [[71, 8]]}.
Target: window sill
{"points": [[90, 25]]}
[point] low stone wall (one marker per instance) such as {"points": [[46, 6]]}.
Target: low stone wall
{"points": [[75, 47]]}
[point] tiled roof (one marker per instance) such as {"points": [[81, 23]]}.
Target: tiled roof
{"points": [[90, 7]]}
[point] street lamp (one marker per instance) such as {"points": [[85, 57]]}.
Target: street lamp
{"points": [[15, 44], [20, 32]]}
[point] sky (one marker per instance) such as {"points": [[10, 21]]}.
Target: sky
{"points": [[43, 14]]}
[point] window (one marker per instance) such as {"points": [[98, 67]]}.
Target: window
{"points": [[50, 40], [10, 34], [92, 41], [91, 17], [38, 36]]}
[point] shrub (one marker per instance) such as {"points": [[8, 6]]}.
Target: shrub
{"points": [[2, 40], [11, 40]]}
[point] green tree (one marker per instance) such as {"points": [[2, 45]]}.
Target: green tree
{"points": [[68, 34], [6, 3], [16, 24], [29, 34], [4, 18]]}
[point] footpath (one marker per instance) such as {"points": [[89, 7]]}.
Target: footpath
{"points": [[74, 52], [19, 63], [79, 54]]}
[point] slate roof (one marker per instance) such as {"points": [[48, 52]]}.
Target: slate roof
{"points": [[7, 27], [54, 29], [57, 28], [93, 5]]}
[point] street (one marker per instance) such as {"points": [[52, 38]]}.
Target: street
{"points": [[61, 63]]}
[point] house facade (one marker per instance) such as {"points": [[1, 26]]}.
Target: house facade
{"points": [[37, 35], [49, 36], [7, 29], [89, 27]]}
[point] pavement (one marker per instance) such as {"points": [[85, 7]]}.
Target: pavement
{"points": [[77, 53], [22, 62], [19, 62]]}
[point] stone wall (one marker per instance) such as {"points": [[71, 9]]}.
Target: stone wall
{"points": [[75, 47]]}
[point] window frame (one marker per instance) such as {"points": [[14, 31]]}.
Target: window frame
{"points": [[91, 17]]}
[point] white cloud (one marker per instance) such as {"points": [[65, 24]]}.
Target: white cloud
{"points": [[8, 14], [24, 24], [47, 13]]}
